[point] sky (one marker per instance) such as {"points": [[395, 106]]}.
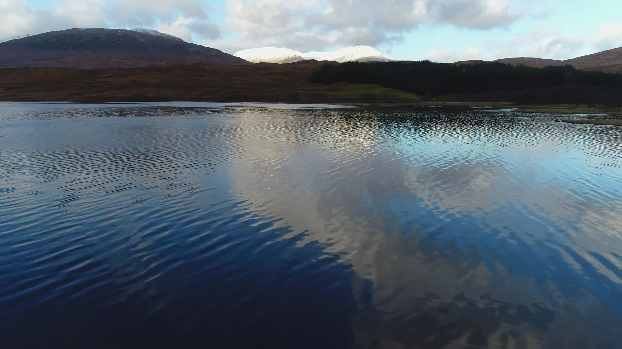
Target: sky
{"points": [[438, 30]]}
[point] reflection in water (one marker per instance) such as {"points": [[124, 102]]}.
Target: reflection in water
{"points": [[372, 228]]}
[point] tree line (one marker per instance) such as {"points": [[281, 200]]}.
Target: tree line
{"points": [[430, 79]]}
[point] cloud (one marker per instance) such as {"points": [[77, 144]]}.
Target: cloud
{"points": [[609, 36], [80, 13], [556, 47], [481, 14], [541, 43], [123, 13], [190, 29], [451, 56], [185, 18], [306, 25], [548, 43], [18, 18]]}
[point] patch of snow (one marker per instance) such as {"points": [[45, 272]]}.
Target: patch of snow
{"points": [[284, 55], [155, 33]]}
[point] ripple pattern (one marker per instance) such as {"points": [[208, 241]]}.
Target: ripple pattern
{"points": [[224, 226]]}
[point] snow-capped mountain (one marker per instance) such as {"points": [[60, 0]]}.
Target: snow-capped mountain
{"points": [[270, 55], [284, 55], [350, 54]]}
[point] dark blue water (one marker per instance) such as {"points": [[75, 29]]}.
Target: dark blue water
{"points": [[223, 226]]}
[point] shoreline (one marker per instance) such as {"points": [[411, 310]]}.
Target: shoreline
{"points": [[561, 109], [219, 83]]}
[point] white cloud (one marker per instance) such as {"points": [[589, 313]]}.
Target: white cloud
{"points": [[539, 43], [547, 43], [189, 29], [122, 13], [18, 18], [185, 18], [80, 13], [320, 24], [609, 36], [180, 28], [451, 56], [556, 47]]}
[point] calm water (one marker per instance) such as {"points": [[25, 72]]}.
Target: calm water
{"points": [[223, 226]]}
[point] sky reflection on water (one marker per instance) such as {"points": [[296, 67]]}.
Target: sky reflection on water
{"points": [[229, 226]]}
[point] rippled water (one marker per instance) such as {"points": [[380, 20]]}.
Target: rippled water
{"points": [[224, 226]]}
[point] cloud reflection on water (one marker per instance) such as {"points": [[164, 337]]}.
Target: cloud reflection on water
{"points": [[467, 231]]}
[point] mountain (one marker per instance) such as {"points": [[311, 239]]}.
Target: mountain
{"points": [[350, 54], [284, 55], [608, 61], [270, 55], [106, 48]]}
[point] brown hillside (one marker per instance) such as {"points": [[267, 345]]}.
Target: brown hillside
{"points": [[609, 61]]}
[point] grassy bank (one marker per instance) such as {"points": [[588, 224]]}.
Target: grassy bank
{"points": [[286, 83]]}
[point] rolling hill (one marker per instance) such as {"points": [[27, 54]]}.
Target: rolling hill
{"points": [[610, 61], [106, 48], [607, 61]]}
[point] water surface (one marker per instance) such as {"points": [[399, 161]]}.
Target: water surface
{"points": [[199, 225]]}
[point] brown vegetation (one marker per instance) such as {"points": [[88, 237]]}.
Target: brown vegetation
{"points": [[187, 82]]}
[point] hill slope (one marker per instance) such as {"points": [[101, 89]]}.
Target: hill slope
{"points": [[607, 61], [106, 48], [610, 60]]}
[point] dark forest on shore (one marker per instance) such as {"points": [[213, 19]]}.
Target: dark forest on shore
{"points": [[318, 82], [486, 81]]}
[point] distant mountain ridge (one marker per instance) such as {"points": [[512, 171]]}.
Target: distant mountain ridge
{"points": [[284, 55], [96, 48], [608, 61]]}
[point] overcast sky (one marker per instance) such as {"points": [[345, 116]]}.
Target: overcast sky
{"points": [[439, 30]]}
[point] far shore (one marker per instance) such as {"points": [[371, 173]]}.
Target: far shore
{"points": [[268, 83]]}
